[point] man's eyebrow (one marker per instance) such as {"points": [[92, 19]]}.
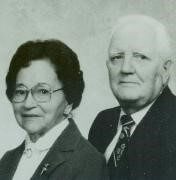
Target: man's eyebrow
{"points": [[116, 53], [137, 53], [141, 54]]}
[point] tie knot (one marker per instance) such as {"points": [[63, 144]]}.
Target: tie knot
{"points": [[126, 120]]}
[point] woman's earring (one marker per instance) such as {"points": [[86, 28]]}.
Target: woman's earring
{"points": [[67, 112]]}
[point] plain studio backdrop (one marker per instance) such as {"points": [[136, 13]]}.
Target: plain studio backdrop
{"points": [[84, 25]]}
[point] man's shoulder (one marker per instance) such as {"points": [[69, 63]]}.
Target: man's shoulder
{"points": [[104, 128], [108, 113], [166, 103], [106, 117]]}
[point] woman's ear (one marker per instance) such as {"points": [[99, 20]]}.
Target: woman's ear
{"points": [[67, 111]]}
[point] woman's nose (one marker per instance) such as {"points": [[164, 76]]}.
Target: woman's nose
{"points": [[30, 102]]}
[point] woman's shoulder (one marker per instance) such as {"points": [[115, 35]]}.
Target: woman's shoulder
{"points": [[12, 153]]}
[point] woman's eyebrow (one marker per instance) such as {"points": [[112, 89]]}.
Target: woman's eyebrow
{"points": [[19, 84]]}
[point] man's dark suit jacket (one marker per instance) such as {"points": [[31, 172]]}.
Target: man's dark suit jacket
{"points": [[152, 147], [70, 158]]}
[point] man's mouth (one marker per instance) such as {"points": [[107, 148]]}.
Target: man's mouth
{"points": [[30, 115], [128, 82]]}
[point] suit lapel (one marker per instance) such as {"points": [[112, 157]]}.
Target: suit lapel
{"points": [[60, 152], [156, 117], [10, 164], [146, 142], [110, 123]]}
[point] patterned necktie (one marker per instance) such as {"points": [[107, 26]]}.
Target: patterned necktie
{"points": [[127, 122]]}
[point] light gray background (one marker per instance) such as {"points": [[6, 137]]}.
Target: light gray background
{"points": [[85, 25]]}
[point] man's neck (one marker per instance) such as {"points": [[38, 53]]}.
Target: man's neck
{"points": [[129, 108]]}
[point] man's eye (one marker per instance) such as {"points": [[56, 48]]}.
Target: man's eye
{"points": [[117, 57], [141, 56]]}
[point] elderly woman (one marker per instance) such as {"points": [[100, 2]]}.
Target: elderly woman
{"points": [[44, 85]]}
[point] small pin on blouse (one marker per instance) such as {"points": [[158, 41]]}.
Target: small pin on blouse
{"points": [[45, 168]]}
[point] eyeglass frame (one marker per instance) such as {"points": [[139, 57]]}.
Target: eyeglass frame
{"points": [[31, 90]]}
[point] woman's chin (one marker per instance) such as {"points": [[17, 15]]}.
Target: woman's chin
{"points": [[34, 130]]}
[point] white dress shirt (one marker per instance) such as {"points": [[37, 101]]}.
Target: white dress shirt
{"points": [[137, 117], [34, 153]]}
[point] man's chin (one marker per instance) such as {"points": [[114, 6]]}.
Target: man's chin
{"points": [[127, 96], [127, 100]]}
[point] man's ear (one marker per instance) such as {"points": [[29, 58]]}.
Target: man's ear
{"points": [[166, 71], [167, 65]]}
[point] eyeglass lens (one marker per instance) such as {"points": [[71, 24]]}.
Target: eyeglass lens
{"points": [[41, 93]]}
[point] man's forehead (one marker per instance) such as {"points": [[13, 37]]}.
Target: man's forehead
{"points": [[134, 37]]}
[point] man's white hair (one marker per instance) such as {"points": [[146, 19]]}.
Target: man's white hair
{"points": [[162, 36]]}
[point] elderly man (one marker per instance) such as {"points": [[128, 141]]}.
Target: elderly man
{"points": [[139, 137]]}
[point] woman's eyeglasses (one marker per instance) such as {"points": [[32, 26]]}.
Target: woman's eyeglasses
{"points": [[41, 93]]}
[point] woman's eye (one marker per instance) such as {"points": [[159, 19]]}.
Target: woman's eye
{"points": [[43, 91], [20, 92]]}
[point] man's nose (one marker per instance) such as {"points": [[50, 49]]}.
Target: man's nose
{"points": [[127, 65], [30, 101]]}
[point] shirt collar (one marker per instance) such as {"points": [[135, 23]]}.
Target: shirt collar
{"points": [[46, 141], [138, 116]]}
